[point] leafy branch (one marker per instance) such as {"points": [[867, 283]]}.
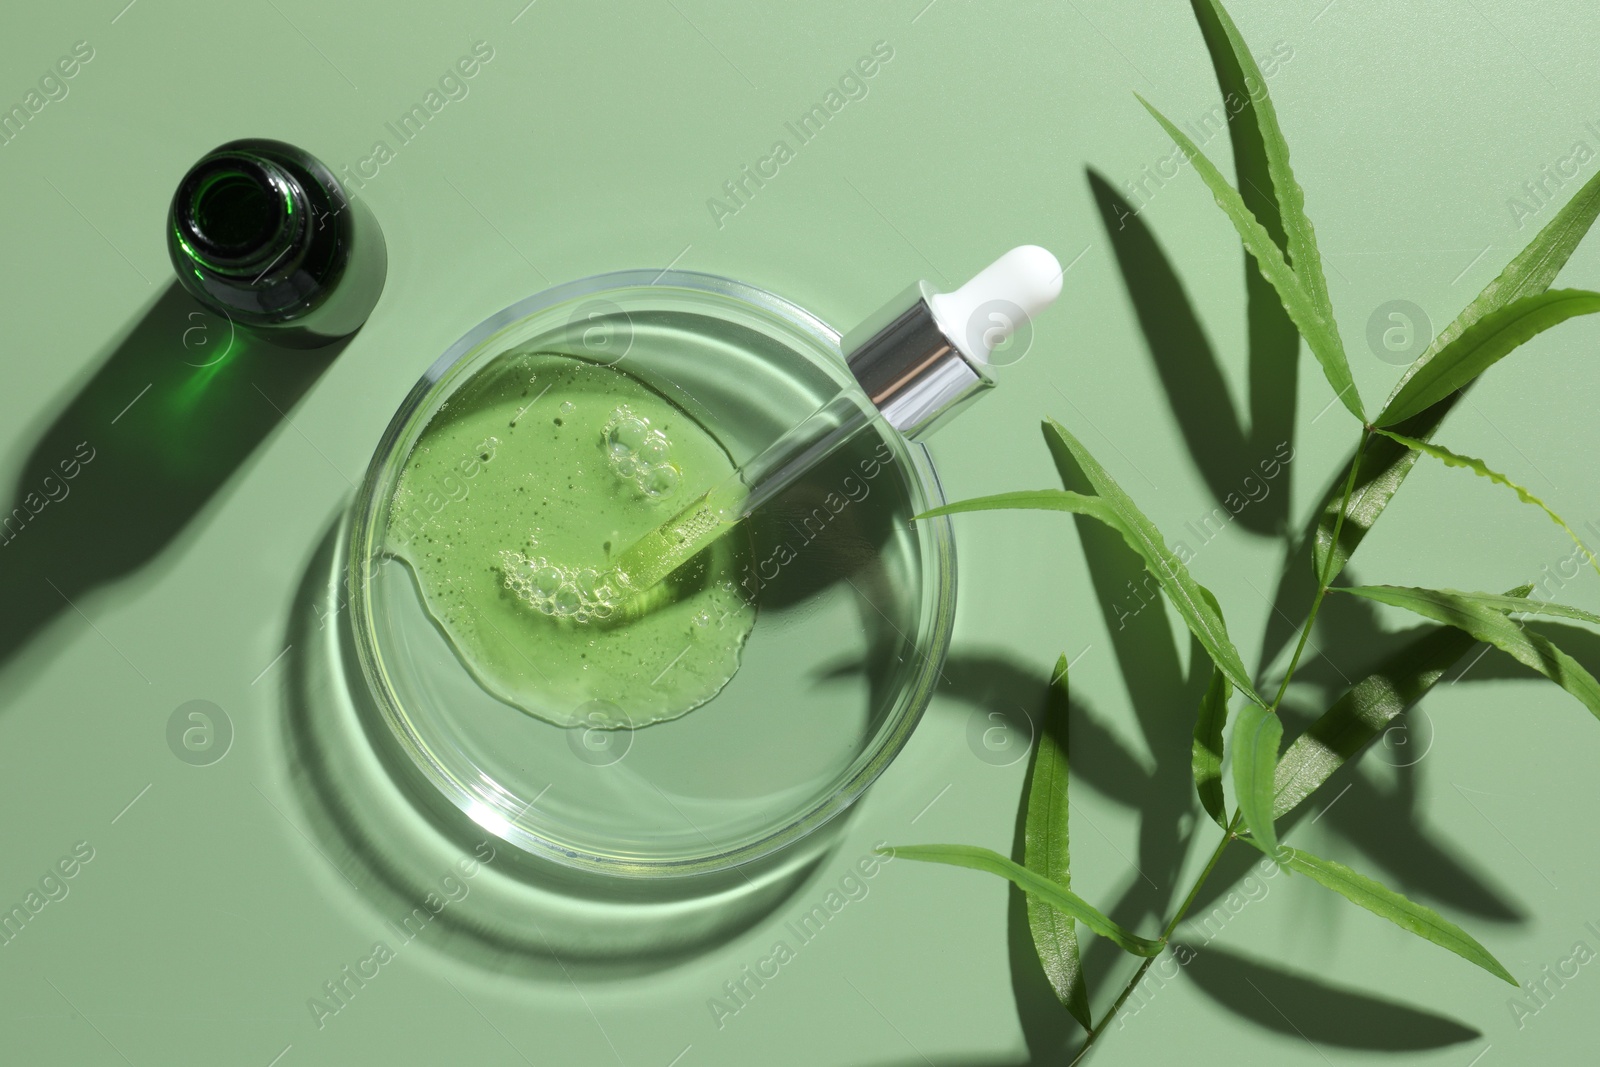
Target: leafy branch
{"points": [[1512, 309]]}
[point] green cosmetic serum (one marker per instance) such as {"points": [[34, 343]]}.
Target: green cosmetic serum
{"points": [[583, 542], [508, 511]]}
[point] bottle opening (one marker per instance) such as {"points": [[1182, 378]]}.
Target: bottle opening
{"points": [[236, 212], [233, 210]]}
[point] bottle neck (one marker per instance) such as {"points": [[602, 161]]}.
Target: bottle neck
{"points": [[240, 216], [261, 232]]}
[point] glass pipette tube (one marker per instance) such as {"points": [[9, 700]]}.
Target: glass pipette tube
{"points": [[916, 361], [656, 555]]}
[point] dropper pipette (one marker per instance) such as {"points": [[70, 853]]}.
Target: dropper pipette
{"points": [[917, 361]]}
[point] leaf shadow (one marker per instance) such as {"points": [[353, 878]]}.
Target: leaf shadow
{"points": [[1420, 865], [1382, 822], [1228, 457], [1320, 1012], [1160, 692], [993, 684], [1581, 644], [1297, 582], [1000, 690]]}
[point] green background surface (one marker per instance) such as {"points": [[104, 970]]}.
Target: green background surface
{"points": [[591, 142]]}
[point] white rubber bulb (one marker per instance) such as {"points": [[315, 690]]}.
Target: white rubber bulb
{"points": [[998, 300]]}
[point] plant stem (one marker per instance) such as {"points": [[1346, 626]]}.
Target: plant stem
{"points": [[1183, 909], [1323, 581], [1326, 577]]}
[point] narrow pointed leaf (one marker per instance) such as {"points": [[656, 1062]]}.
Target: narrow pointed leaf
{"points": [[1046, 850], [1319, 329], [1250, 86], [1530, 273], [1477, 614], [1257, 733], [1482, 470], [1198, 605], [1206, 757], [1032, 500], [1385, 465], [1515, 602], [1365, 711], [1381, 900], [1194, 602], [1031, 882], [1480, 346]]}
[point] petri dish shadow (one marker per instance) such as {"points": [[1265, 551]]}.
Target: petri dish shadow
{"points": [[430, 873]]}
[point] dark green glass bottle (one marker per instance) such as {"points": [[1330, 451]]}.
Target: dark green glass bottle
{"points": [[262, 232]]}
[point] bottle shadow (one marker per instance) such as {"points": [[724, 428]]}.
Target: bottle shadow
{"points": [[178, 403]]}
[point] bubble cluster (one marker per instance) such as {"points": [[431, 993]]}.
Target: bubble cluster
{"points": [[640, 454], [576, 593]]}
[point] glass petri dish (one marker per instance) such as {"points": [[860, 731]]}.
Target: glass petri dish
{"points": [[849, 637]]}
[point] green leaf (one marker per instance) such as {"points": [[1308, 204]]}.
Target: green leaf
{"points": [[1316, 326], [987, 860], [1256, 735], [1045, 849], [1385, 465], [1480, 346], [1515, 602], [1365, 711], [1482, 470], [1195, 603], [1530, 273], [1032, 500], [1381, 900], [1206, 754], [1479, 615], [1251, 86]]}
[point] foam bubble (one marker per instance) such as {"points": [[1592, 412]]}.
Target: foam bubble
{"points": [[641, 454], [576, 593], [660, 481]]}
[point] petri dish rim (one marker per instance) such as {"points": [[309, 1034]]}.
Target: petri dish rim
{"points": [[488, 803]]}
